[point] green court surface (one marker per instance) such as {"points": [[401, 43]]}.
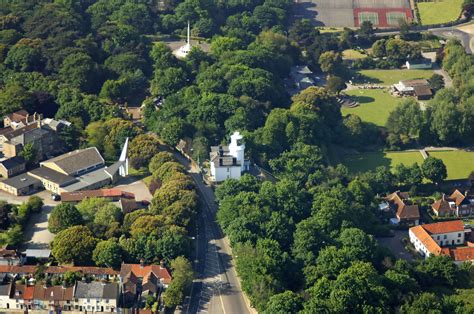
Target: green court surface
{"points": [[438, 12], [369, 161], [389, 77], [459, 163], [375, 105]]}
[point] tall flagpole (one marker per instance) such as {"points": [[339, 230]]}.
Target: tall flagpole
{"points": [[189, 34]]}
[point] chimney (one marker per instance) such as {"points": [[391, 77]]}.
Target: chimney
{"points": [[27, 118], [162, 264], [465, 193], [142, 263], [444, 198], [39, 121]]}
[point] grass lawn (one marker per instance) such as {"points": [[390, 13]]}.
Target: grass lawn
{"points": [[460, 163], [369, 161], [353, 54], [389, 77], [439, 11], [375, 105]]}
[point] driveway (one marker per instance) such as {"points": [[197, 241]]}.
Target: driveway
{"points": [[396, 245], [37, 235], [136, 186]]}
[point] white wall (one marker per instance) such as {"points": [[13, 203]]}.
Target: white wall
{"points": [[222, 173], [446, 239], [419, 247]]}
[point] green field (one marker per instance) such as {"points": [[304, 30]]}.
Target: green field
{"points": [[375, 105], [460, 163], [369, 161], [353, 54], [439, 11], [389, 77]]}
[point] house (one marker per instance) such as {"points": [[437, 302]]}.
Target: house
{"points": [[10, 257], [405, 212], [112, 194], [96, 297], [12, 166], [429, 239], [37, 254], [5, 294], [302, 77], [419, 88], [82, 169], [228, 162], [53, 298], [419, 64], [23, 184], [139, 280], [42, 134], [19, 119], [458, 204]]}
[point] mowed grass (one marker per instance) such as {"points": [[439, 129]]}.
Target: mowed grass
{"points": [[389, 77], [459, 163], [369, 161], [353, 54], [375, 105], [439, 11]]}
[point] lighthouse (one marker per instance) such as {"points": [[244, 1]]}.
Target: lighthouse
{"points": [[237, 149]]}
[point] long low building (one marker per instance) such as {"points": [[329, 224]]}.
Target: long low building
{"points": [[82, 169], [443, 238]]}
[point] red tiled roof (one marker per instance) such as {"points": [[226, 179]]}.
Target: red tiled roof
{"points": [[80, 195], [460, 254], [426, 240], [444, 227], [28, 293], [144, 271], [404, 211], [26, 269], [458, 197], [442, 205]]}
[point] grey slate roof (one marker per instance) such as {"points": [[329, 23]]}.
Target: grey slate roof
{"points": [[21, 181], [5, 289], [89, 179], [13, 162], [96, 290], [78, 160], [52, 175]]}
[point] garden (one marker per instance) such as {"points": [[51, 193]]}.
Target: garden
{"points": [[369, 161], [460, 163]]}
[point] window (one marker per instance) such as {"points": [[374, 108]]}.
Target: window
{"points": [[445, 236], [459, 240], [459, 235], [437, 237], [88, 300], [228, 169], [106, 300]]}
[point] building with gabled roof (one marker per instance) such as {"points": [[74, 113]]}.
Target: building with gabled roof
{"points": [[457, 204], [96, 296], [432, 239], [405, 212]]}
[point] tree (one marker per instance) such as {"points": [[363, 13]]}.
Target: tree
{"points": [[35, 203], [366, 32], [434, 169], [336, 84], [142, 149], [283, 303], [436, 82], [74, 244], [30, 154], [158, 160], [183, 276], [107, 254], [168, 81], [79, 71], [424, 303], [330, 61], [25, 55], [63, 216]]}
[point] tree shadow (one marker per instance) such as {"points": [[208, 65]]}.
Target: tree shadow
{"points": [[363, 162], [363, 99], [359, 78]]}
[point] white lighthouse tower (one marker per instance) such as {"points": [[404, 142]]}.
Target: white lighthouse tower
{"points": [[237, 149]]}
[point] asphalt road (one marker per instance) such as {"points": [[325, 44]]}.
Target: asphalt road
{"points": [[216, 288]]}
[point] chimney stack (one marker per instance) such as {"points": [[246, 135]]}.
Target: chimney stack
{"points": [[142, 263]]}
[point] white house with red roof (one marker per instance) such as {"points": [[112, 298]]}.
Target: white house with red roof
{"points": [[442, 238]]}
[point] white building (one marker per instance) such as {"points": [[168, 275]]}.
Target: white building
{"points": [[96, 297], [429, 239], [183, 51], [228, 162]]}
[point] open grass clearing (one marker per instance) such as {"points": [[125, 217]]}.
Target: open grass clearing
{"points": [[459, 163], [389, 77], [440, 11], [352, 54], [369, 161], [375, 105]]}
